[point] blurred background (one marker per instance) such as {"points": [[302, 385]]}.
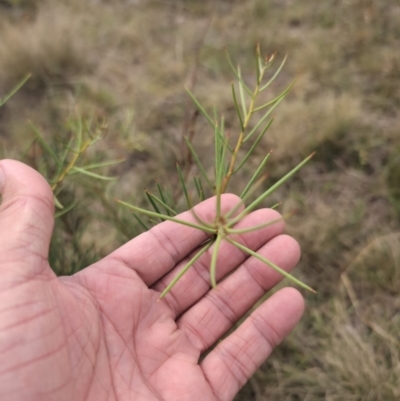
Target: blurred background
{"points": [[124, 64]]}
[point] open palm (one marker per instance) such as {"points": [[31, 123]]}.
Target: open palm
{"points": [[102, 334]]}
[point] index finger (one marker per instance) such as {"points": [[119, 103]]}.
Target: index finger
{"points": [[157, 251]]}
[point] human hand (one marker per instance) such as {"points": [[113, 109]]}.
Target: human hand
{"points": [[101, 334]]}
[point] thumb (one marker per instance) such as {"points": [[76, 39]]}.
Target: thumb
{"points": [[26, 218]]}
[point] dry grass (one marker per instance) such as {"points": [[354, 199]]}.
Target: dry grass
{"points": [[128, 61]]}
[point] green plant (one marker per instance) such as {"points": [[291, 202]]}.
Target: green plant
{"points": [[69, 159], [227, 165], [13, 91]]}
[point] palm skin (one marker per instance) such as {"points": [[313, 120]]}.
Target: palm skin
{"points": [[102, 334]]}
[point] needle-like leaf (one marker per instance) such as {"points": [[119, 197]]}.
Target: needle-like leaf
{"points": [[198, 162], [255, 175], [65, 210], [76, 169], [218, 168], [263, 118], [269, 263], [241, 92], [255, 203], [64, 158], [213, 267], [185, 191], [276, 205], [199, 185], [237, 75], [258, 227], [253, 146], [44, 144], [141, 222], [16, 88], [152, 202], [243, 200], [57, 203], [258, 65], [154, 198], [165, 217], [168, 209], [201, 221], [271, 102], [277, 72], [201, 108], [79, 135], [186, 268], [102, 164], [237, 107]]}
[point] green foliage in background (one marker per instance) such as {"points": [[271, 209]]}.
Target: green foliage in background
{"points": [[127, 63]]}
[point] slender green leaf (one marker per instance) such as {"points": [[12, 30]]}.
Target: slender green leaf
{"points": [[222, 140], [63, 158], [271, 102], [198, 162], [221, 132], [57, 203], [237, 107], [15, 90], [258, 65], [219, 166], [44, 144], [218, 140], [241, 93], [165, 217], [276, 205], [213, 267], [255, 203], [152, 202], [201, 108], [258, 227], [269, 263], [222, 126], [253, 146], [28, 148], [223, 166], [201, 221], [65, 210], [242, 201], [163, 204], [97, 165], [186, 268], [215, 115], [237, 75], [263, 118], [255, 175], [168, 209], [275, 75], [170, 200], [196, 184], [199, 187], [222, 169], [141, 222], [79, 135], [261, 69], [185, 191], [76, 169], [102, 164]]}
